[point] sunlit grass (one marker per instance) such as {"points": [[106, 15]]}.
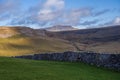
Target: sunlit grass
{"points": [[21, 45]]}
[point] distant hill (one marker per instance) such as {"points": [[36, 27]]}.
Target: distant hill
{"points": [[24, 40], [58, 28], [19, 40], [86, 36], [6, 32], [105, 39]]}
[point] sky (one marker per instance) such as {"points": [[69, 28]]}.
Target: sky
{"points": [[46, 13]]}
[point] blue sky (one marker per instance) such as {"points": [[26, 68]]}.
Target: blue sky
{"points": [[46, 13]]}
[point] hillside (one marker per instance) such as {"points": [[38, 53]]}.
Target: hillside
{"points": [[20, 69], [105, 39], [23, 40]]}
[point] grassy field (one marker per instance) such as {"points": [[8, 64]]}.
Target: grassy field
{"points": [[21, 69]]}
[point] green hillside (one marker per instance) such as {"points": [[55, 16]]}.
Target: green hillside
{"points": [[21, 69]]}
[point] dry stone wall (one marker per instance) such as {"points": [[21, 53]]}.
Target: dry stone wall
{"points": [[111, 61]]}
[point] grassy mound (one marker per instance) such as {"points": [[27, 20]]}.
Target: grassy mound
{"points": [[21, 69]]}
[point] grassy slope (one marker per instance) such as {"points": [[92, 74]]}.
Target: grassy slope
{"points": [[20, 45], [98, 39], [112, 47], [18, 69]]}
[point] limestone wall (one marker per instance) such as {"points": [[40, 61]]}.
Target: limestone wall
{"points": [[111, 61]]}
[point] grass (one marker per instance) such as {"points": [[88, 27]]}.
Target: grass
{"points": [[21, 69], [108, 47], [22, 45]]}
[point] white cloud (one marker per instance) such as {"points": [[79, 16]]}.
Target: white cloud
{"points": [[74, 16], [49, 9], [50, 12], [57, 4], [117, 20]]}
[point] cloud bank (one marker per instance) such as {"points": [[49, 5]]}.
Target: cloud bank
{"points": [[47, 13]]}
